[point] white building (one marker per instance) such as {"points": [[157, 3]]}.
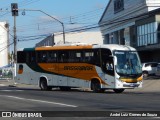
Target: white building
{"points": [[91, 37], [4, 35], [135, 23]]}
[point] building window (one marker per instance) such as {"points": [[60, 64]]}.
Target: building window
{"points": [[111, 38], [147, 34], [158, 32], [118, 5]]}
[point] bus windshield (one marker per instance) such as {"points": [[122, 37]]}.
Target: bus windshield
{"points": [[128, 63]]}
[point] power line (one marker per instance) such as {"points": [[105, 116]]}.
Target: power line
{"points": [[37, 38], [93, 26], [49, 26], [81, 18], [34, 36], [28, 2], [22, 3], [6, 47]]}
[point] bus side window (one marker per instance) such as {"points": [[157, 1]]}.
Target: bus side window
{"points": [[88, 56], [75, 56], [43, 57], [30, 57], [21, 57], [78, 56], [52, 57], [63, 56], [95, 59], [33, 57]]}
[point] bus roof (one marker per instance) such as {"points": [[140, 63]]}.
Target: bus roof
{"points": [[81, 46], [118, 47]]}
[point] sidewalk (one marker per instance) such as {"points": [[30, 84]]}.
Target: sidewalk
{"points": [[11, 83], [6, 82]]}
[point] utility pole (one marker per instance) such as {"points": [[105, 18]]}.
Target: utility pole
{"points": [[15, 41], [14, 10]]}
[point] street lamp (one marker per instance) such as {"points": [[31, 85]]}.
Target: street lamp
{"points": [[52, 18]]}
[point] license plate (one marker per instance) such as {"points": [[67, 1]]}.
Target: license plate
{"points": [[132, 85]]}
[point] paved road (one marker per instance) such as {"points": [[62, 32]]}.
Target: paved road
{"points": [[31, 98]]}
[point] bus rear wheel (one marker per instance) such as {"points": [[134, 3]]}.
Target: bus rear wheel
{"points": [[118, 90]]}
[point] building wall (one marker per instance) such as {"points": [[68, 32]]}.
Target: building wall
{"points": [[48, 41], [153, 4], [3, 44], [93, 37], [129, 27], [131, 9], [130, 6]]}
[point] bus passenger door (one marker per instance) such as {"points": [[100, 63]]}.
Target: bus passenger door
{"points": [[107, 66]]}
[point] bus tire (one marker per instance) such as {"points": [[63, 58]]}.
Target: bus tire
{"points": [[95, 86], [44, 86], [118, 90]]}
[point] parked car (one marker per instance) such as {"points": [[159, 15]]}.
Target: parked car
{"points": [[149, 68], [158, 70]]}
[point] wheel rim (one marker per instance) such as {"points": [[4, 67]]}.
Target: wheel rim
{"points": [[95, 86], [43, 85]]}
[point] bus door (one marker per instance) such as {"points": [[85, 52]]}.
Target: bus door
{"points": [[107, 66]]}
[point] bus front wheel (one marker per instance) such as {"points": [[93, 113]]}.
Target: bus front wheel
{"points": [[43, 85], [95, 86], [118, 90]]}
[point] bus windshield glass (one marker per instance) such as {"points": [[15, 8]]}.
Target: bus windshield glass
{"points": [[128, 63]]}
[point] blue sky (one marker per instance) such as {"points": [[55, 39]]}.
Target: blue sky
{"points": [[36, 24]]}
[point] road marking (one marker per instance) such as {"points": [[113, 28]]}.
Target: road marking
{"points": [[41, 101], [10, 90]]}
